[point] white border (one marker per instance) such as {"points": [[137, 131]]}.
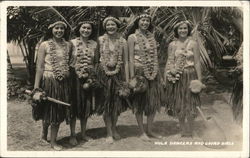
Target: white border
{"points": [[127, 3], [246, 67], [3, 83]]}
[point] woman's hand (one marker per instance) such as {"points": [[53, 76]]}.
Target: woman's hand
{"points": [[173, 71], [38, 95], [163, 82]]}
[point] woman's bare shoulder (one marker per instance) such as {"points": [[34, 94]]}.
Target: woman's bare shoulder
{"points": [[43, 45], [193, 43], [131, 37]]}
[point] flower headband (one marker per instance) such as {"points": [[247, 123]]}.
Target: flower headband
{"points": [[144, 16], [56, 23], [182, 22], [87, 22], [111, 18]]}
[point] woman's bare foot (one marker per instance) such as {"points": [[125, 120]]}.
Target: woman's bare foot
{"points": [[189, 135], [154, 135], [86, 138], [56, 147], [144, 137], [116, 135], [109, 140], [73, 141], [43, 141]]}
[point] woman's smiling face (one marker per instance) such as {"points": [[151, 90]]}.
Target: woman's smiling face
{"points": [[183, 30], [111, 27], [58, 31], [85, 30], [144, 23]]}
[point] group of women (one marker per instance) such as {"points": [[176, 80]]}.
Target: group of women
{"points": [[112, 74]]}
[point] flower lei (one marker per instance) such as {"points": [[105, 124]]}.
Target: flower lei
{"points": [[111, 60], [83, 59], [149, 56], [178, 65], [59, 70]]}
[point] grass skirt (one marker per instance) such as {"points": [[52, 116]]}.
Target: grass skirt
{"points": [[180, 101], [49, 112], [236, 99], [82, 100], [112, 103], [149, 101]]}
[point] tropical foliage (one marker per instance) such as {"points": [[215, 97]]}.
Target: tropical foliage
{"points": [[213, 28]]}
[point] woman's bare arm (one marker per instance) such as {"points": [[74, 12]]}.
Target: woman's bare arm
{"points": [[131, 45], [40, 65], [197, 62], [125, 56]]}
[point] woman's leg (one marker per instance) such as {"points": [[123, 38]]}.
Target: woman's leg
{"points": [[72, 139], [190, 122], [150, 120], [54, 131], [44, 133], [114, 120], [108, 124], [182, 125], [139, 118], [83, 129]]}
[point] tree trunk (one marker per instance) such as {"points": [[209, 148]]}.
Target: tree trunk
{"points": [[8, 61], [25, 60]]}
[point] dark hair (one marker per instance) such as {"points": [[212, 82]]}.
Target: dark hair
{"points": [[49, 34], [93, 33], [178, 25], [136, 26], [150, 28]]}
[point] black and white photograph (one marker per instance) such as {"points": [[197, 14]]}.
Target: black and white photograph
{"points": [[128, 78]]}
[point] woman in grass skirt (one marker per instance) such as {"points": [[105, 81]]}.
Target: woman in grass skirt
{"points": [[84, 77], [52, 76], [113, 73], [144, 68], [182, 67]]}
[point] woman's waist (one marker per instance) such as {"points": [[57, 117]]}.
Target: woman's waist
{"points": [[50, 73], [189, 65]]}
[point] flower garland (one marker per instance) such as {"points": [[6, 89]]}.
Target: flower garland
{"points": [[178, 68], [149, 56], [111, 60], [83, 59], [59, 70], [175, 72]]}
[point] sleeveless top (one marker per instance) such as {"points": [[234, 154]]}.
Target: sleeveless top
{"points": [[189, 54], [77, 44], [137, 51], [61, 52], [111, 46]]}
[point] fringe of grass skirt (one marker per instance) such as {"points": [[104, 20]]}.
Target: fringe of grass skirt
{"points": [[236, 99], [149, 101], [82, 99], [180, 101], [50, 112], [112, 104]]}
